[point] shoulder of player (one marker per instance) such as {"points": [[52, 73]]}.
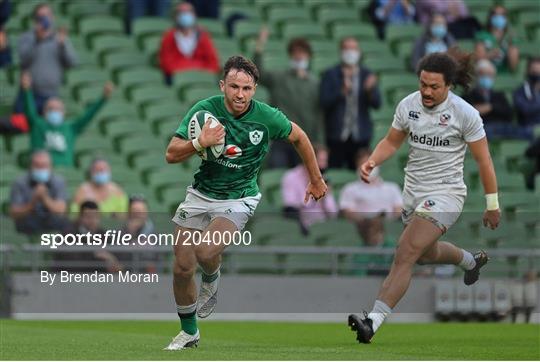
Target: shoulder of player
{"points": [[461, 108]]}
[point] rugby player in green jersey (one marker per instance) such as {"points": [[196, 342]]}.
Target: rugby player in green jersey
{"points": [[224, 193]]}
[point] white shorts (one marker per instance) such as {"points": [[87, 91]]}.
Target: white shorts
{"points": [[441, 209], [198, 210]]}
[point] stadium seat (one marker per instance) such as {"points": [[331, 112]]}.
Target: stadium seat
{"points": [[123, 127], [110, 43], [247, 28], [334, 14], [216, 28], [311, 264], [310, 30], [360, 31], [270, 184], [184, 81], [339, 177], [132, 77], [163, 109], [198, 92], [248, 11], [259, 263], [136, 144], [265, 6], [150, 44], [226, 47], [324, 47], [337, 232], [278, 16], [275, 61], [317, 5], [85, 75], [270, 226], [148, 161], [396, 34], [144, 94], [91, 26], [172, 196], [145, 26], [384, 65], [121, 60], [77, 10], [321, 63]]}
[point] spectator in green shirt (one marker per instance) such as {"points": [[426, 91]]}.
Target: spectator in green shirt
{"points": [[53, 132], [497, 43]]}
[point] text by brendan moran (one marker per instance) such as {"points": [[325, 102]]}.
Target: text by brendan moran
{"points": [[65, 276]]}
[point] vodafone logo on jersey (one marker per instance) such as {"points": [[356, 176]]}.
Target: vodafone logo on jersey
{"points": [[232, 151]]}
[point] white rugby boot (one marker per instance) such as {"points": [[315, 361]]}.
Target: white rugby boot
{"points": [[183, 341]]}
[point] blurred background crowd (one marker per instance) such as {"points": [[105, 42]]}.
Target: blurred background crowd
{"points": [[92, 91]]}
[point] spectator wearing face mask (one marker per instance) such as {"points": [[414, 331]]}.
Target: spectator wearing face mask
{"points": [[492, 105], [294, 91], [435, 39], [293, 190], [497, 43], [367, 205], [53, 132], [186, 46], [347, 92], [45, 52], [38, 198], [527, 96], [100, 188]]}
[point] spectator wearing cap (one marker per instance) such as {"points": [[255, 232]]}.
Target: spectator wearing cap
{"points": [[295, 91], [186, 46], [100, 188], [347, 93], [53, 132], [38, 198], [45, 52]]}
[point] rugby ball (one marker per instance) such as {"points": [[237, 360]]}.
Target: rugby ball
{"points": [[195, 126]]}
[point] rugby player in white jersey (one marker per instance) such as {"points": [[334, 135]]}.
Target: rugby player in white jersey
{"points": [[439, 126]]}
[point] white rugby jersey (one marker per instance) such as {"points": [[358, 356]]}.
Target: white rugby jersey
{"points": [[437, 142]]}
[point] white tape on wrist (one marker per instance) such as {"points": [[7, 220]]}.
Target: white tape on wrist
{"points": [[492, 201], [197, 145]]}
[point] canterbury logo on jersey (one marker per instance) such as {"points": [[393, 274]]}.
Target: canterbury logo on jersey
{"points": [[429, 141]]}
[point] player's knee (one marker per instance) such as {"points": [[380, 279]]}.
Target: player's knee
{"points": [[183, 271], [205, 256]]}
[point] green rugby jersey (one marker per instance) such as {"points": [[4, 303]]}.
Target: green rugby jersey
{"points": [[234, 174]]}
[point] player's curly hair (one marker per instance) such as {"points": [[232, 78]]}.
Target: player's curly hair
{"points": [[456, 66], [243, 64]]}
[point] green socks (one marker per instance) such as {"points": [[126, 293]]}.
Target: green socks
{"points": [[188, 318]]}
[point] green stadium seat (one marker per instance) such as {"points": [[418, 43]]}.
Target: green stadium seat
{"points": [[507, 82], [270, 184], [91, 145], [130, 78], [215, 27], [9, 173], [341, 15], [270, 226], [310, 30], [276, 61], [262, 94], [226, 47], [121, 60], [149, 26], [390, 83], [172, 196], [384, 65], [110, 43], [323, 47], [510, 182], [277, 15], [189, 79], [259, 263], [265, 6], [360, 31], [310, 263], [316, 5], [198, 92], [150, 44], [321, 63], [249, 11], [77, 10], [337, 232], [143, 94], [81, 77], [138, 144], [88, 93], [93, 25], [339, 177], [164, 109], [122, 127], [115, 108], [167, 175], [396, 34], [166, 127], [247, 28], [529, 49], [148, 161]]}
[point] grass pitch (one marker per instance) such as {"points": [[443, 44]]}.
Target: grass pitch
{"points": [[144, 340]]}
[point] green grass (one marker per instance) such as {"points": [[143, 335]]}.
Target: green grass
{"points": [[144, 340]]}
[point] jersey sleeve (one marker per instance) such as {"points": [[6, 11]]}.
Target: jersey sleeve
{"points": [[279, 126], [182, 129], [473, 127], [400, 120]]}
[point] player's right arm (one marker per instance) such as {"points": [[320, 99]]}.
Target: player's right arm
{"points": [[383, 151], [180, 149]]}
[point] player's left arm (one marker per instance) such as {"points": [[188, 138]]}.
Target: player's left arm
{"points": [[317, 187], [480, 152]]}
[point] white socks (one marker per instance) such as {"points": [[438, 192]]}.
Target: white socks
{"points": [[379, 313], [468, 262]]}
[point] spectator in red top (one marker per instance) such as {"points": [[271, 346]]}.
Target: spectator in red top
{"points": [[186, 46]]}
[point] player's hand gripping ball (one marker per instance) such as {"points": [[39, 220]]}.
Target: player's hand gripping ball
{"points": [[195, 128]]}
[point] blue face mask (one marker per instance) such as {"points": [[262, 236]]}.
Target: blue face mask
{"points": [[55, 117], [485, 82], [498, 21], [40, 175], [101, 178], [185, 20], [438, 31], [44, 21]]}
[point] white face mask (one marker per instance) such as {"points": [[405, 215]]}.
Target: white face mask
{"points": [[301, 64], [350, 56]]}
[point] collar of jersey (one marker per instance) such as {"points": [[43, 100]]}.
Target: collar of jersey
{"points": [[438, 108], [242, 114]]}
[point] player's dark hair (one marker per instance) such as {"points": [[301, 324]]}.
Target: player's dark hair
{"points": [[457, 67], [243, 64], [300, 44], [88, 205]]}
